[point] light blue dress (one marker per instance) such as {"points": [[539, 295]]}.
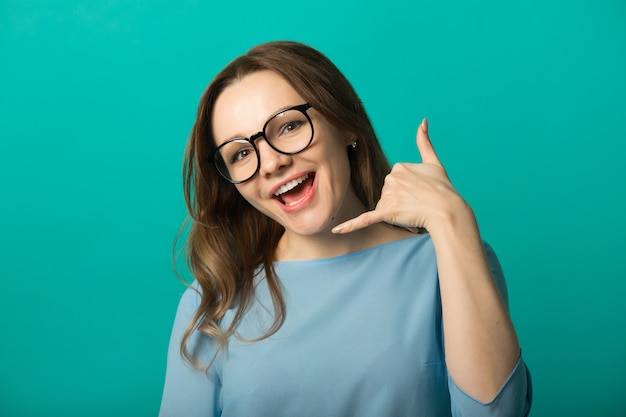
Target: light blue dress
{"points": [[362, 337]]}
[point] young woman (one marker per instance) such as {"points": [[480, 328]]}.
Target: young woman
{"points": [[326, 283]]}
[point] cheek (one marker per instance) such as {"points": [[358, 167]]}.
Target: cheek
{"points": [[247, 193], [341, 165], [251, 196]]}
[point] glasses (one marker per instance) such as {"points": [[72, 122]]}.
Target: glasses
{"points": [[288, 132]]}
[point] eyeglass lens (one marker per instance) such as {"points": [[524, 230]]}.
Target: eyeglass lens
{"points": [[287, 132]]}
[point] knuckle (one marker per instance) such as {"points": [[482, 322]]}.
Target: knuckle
{"points": [[399, 166], [363, 219], [391, 179]]}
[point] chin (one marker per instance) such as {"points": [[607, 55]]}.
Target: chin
{"points": [[308, 228]]}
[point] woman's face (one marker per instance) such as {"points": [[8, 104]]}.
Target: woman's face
{"points": [[308, 192]]}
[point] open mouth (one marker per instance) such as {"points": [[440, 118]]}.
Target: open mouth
{"points": [[295, 190]]}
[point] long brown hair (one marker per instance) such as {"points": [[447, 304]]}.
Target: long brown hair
{"points": [[228, 240]]}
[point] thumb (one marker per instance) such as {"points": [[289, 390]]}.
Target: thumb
{"points": [[424, 145]]}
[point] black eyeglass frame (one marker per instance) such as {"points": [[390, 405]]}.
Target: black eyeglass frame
{"points": [[302, 108]]}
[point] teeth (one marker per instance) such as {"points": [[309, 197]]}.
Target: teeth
{"points": [[291, 185]]}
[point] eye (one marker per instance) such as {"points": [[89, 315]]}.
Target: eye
{"points": [[240, 154], [291, 127]]}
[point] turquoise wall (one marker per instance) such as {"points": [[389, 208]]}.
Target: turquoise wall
{"points": [[527, 109]]}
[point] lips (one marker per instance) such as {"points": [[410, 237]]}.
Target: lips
{"points": [[290, 185], [294, 191]]}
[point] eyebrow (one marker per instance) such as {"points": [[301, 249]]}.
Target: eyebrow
{"points": [[264, 123]]}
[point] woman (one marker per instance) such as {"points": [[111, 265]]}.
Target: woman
{"points": [[326, 285]]}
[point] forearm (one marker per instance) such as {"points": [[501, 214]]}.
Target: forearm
{"points": [[480, 342]]}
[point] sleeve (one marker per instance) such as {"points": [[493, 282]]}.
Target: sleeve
{"points": [[515, 396], [188, 391]]}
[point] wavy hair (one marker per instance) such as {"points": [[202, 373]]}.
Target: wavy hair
{"points": [[229, 241]]}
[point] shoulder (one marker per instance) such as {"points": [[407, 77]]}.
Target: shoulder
{"points": [[190, 300], [419, 245], [189, 391]]}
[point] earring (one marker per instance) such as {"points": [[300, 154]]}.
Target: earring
{"points": [[354, 144]]}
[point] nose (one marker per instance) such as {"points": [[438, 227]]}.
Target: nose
{"points": [[271, 161]]}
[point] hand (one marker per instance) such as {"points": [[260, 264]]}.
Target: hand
{"points": [[414, 195]]}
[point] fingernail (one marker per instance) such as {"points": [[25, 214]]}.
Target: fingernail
{"points": [[337, 229], [425, 125]]}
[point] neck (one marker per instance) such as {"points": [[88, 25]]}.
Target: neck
{"points": [[294, 247]]}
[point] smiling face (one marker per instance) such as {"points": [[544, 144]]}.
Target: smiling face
{"points": [[309, 192]]}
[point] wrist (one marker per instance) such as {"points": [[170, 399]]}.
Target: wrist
{"points": [[456, 216]]}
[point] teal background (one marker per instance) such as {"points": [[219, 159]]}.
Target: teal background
{"points": [[527, 110]]}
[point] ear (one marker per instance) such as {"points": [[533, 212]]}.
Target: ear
{"points": [[349, 138]]}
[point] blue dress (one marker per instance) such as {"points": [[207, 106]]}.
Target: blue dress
{"points": [[363, 336]]}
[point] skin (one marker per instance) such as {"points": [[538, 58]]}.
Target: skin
{"points": [[481, 345], [241, 110]]}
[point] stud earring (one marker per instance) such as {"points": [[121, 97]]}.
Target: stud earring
{"points": [[354, 144]]}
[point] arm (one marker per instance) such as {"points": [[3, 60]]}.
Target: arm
{"points": [[515, 396], [189, 392], [481, 346]]}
